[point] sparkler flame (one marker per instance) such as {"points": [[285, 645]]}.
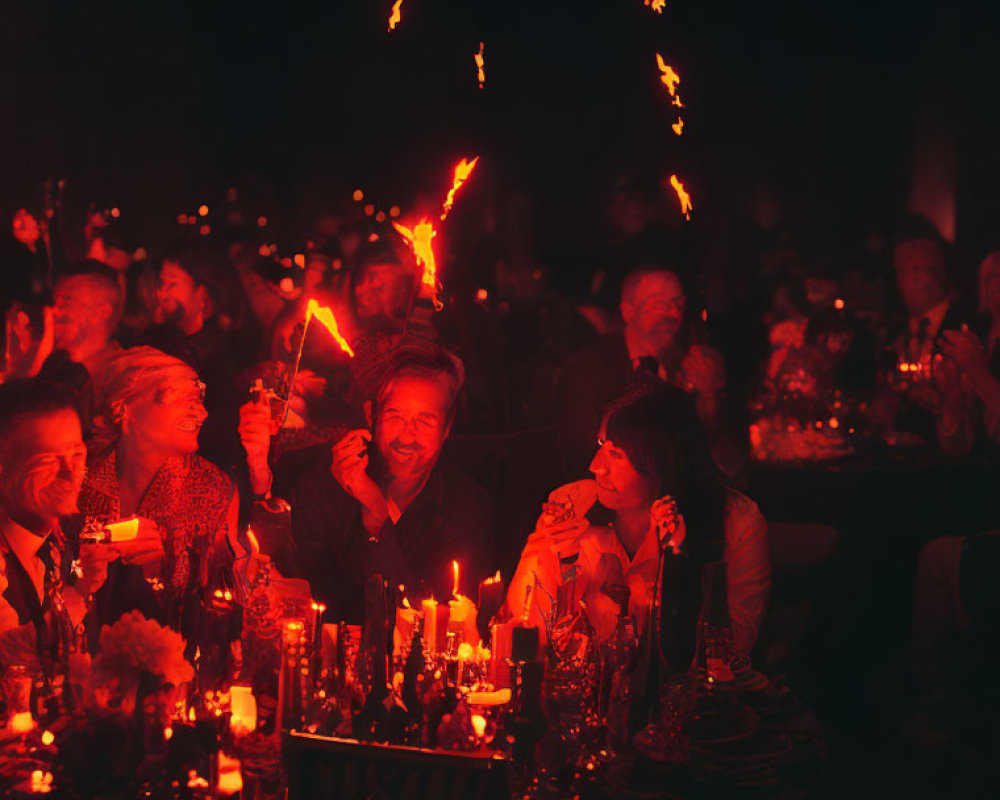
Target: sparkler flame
{"points": [[480, 66], [683, 196], [668, 77], [395, 16], [678, 127], [325, 317], [419, 238], [463, 169]]}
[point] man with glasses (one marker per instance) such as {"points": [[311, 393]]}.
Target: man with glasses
{"points": [[659, 340]]}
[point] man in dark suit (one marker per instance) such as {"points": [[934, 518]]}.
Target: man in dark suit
{"points": [[385, 504], [42, 464], [928, 400]]}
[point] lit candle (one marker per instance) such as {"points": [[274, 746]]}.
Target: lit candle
{"points": [[462, 619], [230, 775], [435, 623], [406, 622], [22, 722], [243, 711], [490, 599], [502, 639]]}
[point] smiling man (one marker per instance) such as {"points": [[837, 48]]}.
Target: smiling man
{"points": [[42, 466], [386, 504]]}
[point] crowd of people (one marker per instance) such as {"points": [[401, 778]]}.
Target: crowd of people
{"points": [[182, 385]]}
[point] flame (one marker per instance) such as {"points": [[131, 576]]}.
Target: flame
{"points": [[677, 101], [419, 238], [668, 78], [478, 725], [191, 715], [454, 572], [48, 738], [480, 64], [254, 544], [495, 579], [678, 127], [656, 5], [683, 196], [463, 169], [395, 16], [325, 317]]}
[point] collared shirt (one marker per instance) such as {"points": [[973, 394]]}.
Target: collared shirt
{"points": [[748, 573], [25, 545], [451, 518]]}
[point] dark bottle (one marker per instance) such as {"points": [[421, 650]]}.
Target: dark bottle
{"points": [[715, 629]]}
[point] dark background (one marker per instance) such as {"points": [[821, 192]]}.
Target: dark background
{"points": [[158, 106]]}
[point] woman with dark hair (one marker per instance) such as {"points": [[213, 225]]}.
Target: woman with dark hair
{"points": [[656, 485]]}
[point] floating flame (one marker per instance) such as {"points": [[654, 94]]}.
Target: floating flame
{"points": [[480, 66], [683, 196], [454, 572], [325, 317], [419, 238], [668, 78], [656, 5], [463, 169], [421, 235], [678, 127], [395, 16]]}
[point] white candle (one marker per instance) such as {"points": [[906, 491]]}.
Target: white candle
{"points": [[243, 711]]}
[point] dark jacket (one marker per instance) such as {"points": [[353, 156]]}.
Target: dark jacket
{"points": [[451, 518]]}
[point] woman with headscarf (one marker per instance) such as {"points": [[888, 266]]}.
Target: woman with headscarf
{"points": [[187, 508]]}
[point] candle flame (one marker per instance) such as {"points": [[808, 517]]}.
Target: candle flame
{"points": [[463, 169], [655, 5], [419, 239], [479, 725], [41, 782], [191, 715], [480, 66], [683, 196], [325, 317], [454, 572], [678, 127], [254, 544], [395, 16], [48, 738], [495, 578]]}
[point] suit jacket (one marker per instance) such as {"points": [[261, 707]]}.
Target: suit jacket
{"points": [[451, 518]]}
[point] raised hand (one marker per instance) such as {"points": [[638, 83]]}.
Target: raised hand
{"points": [[669, 522]]}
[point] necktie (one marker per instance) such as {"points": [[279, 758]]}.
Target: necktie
{"points": [[917, 342]]}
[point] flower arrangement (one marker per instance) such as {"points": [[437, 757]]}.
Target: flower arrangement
{"points": [[134, 645]]}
